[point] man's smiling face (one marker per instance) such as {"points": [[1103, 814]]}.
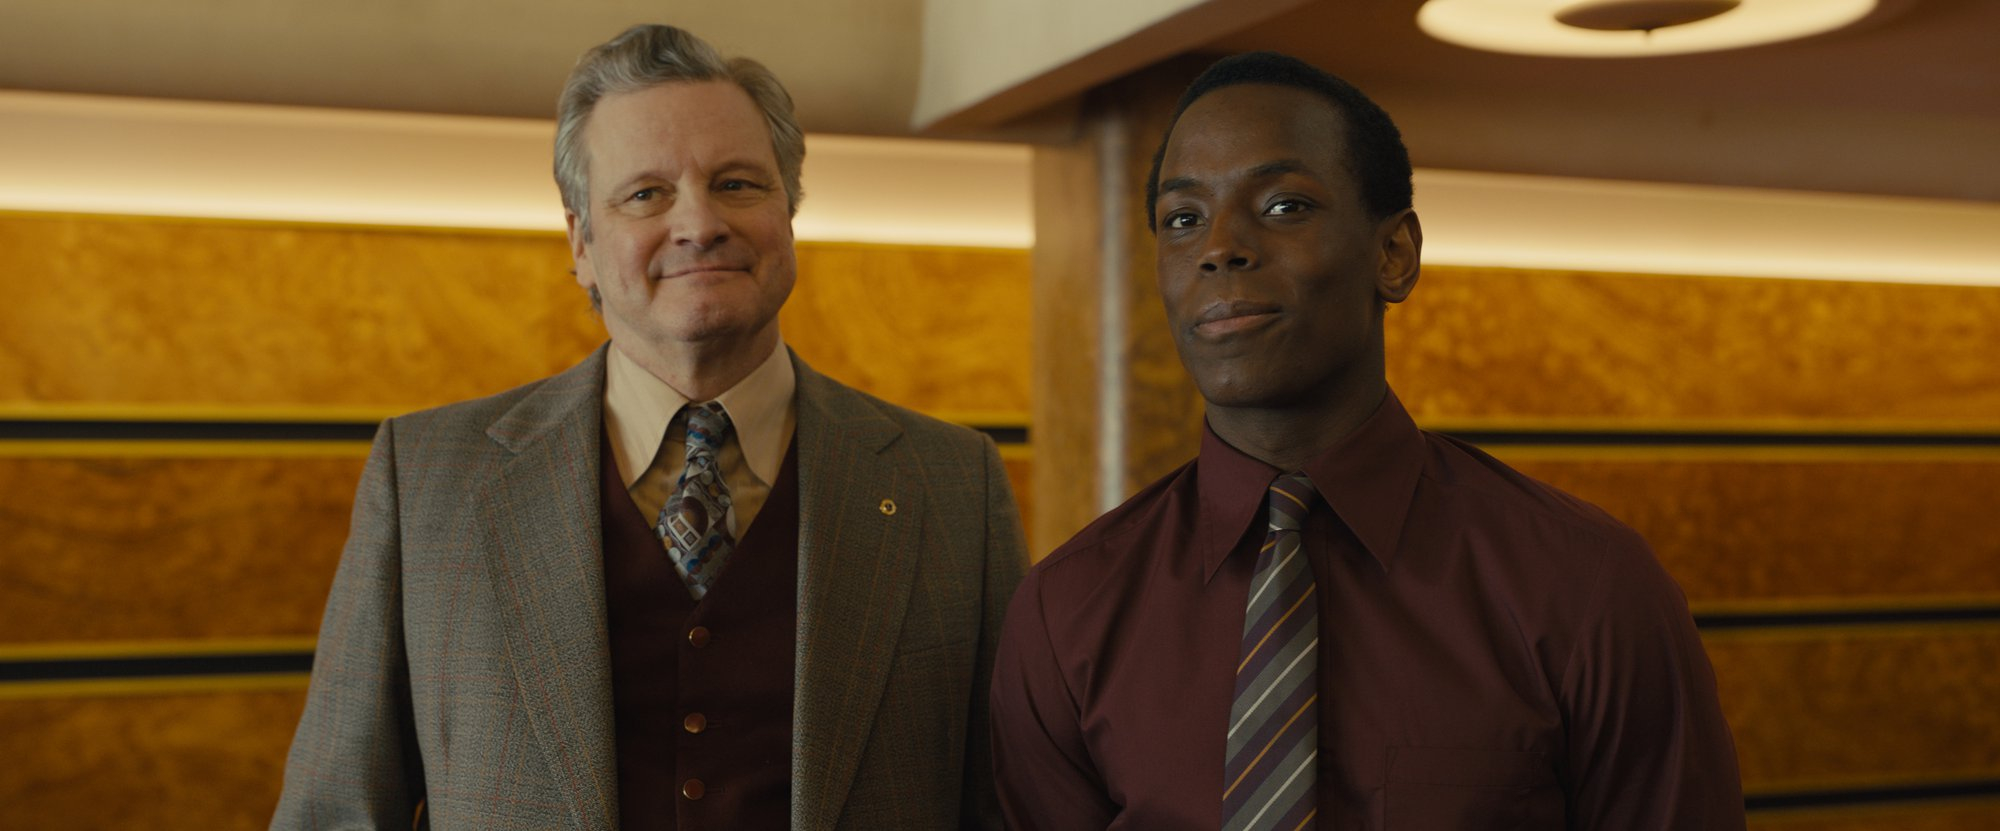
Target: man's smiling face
{"points": [[1272, 271], [690, 235]]}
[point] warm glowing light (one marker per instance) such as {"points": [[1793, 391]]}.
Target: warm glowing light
{"points": [[64, 153], [1530, 27]]}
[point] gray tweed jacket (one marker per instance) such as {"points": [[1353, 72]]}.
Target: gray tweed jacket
{"points": [[463, 665]]}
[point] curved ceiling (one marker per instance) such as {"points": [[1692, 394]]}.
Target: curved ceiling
{"points": [[1907, 106]]}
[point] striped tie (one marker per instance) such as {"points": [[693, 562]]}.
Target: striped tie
{"points": [[1270, 774], [694, 524]]}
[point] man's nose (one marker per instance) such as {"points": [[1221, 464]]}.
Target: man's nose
{"points": [[697, 223], [1227, 248]]}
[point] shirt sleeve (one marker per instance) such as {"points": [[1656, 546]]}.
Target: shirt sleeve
{"points": [[1045, 776], [1648, 746]]}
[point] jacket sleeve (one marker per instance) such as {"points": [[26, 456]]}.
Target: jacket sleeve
{"points": [[1648, 747], [354, 762], [1006, 560]]}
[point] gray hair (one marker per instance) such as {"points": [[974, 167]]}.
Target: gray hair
{"points": [[648, 55]]}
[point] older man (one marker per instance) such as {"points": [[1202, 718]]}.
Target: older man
{"points": [[689, 583], [1332, 619]]}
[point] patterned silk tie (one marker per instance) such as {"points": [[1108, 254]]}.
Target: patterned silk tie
{"points": [[1270, 775], [694, 524]]}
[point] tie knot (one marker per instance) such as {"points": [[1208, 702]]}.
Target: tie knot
{"points": [[707, 428], [1291, 496]]}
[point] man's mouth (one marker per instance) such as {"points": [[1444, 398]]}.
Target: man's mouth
{"points": [[706, 269], [1227, 317]]}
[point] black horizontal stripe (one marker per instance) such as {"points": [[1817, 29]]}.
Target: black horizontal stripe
{"points": [[155, 666], [118, 430], [1727, 438], [1721, 621], [122, 430], [1003, 435], [1857, 797]]}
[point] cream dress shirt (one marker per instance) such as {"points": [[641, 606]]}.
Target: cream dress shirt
{"points": [[649, 435]]}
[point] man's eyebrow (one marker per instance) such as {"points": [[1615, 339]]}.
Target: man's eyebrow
{"points": [[1278, 168], [1179, 183]]}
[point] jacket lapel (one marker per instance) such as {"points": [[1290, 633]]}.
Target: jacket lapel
{"points": [[544, 538], [857, 559]]}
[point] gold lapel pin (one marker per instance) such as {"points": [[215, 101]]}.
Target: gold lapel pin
{"points": [[888, 507]]}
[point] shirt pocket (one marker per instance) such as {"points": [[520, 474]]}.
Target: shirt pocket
{"points": [[1471, 790]]}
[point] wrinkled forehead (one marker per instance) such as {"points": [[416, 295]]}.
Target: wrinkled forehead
{"points": [[678, 119]]}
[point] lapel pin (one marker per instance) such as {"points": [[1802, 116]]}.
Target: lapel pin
{"points": [[888, 507]]}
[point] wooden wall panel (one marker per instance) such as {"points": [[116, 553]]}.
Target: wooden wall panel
{"points": [[936, 329], [1979, 815], [164, 548], [150, 311], [1503, 343], [213, 761], [1020, 474], [1747, 530], [1814, 707], [158, 311]]}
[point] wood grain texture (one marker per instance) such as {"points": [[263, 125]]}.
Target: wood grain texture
{"points": [[933, 329], [191, 312], [1503, 343], [131, 549], [1020, 477], [1979, 815], [1067, 342], [156, 311], [187, 761], [1813, 708], [1730, 530]]}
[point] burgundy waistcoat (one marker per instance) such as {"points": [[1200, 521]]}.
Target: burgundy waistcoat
{"points": [[702, 692]]}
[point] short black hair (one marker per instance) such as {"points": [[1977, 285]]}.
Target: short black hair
{"points": [[1375, 153]]}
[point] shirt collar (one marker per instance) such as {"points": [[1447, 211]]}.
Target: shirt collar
{"points": [[638, 407], [1368, 478]]}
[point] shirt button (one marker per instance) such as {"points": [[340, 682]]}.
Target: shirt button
{"points": [[694, 723], [693, 789], [698, 637]]}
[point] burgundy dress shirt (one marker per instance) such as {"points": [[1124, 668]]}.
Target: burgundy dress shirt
{"points": [[1493, 653]]}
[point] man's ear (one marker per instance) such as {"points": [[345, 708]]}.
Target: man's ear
{"points": [[578, 254], [1401, 241]]}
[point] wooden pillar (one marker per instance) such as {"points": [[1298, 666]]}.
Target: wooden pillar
{"points": [[1113, 409]]}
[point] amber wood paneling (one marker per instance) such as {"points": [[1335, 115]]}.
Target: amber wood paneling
{"points": [[1020, 472], [1068, 304], [161, 548], [1735, 530], [1817, 708], [150, 311], [936, 329], [212, 761], [159, 311], [1508, 343], [1982, 815]]}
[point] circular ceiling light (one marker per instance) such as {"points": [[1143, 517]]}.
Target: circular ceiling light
{"points": [[1631, 28]]}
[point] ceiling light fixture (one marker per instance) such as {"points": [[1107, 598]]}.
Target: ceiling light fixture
{"points": [[1631, 28]]}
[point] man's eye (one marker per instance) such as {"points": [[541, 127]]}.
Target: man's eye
{"points": [[647, 195], [738, 184], [1183, 219], [1285, 206]]}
